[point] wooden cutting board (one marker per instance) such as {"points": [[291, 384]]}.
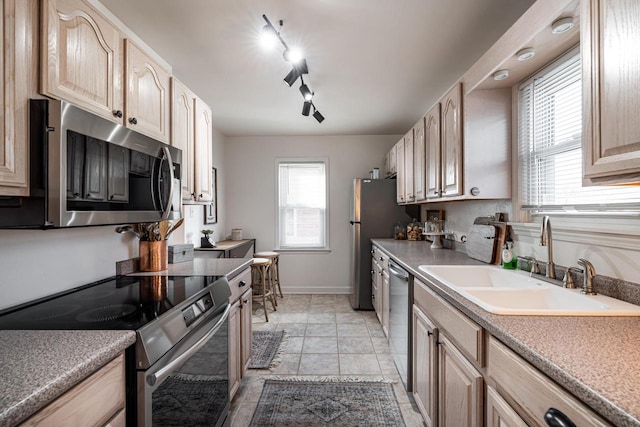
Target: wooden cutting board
{"points": [[481, 242]]}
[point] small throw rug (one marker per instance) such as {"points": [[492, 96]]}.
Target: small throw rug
{"points": [[266, 349], [327, 403]]}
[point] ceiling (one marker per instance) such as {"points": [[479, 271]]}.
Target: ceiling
{"points": [[375, 65]]}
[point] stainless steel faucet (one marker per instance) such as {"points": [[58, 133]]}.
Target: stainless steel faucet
{"points": [[546, 240], [588, 273]]}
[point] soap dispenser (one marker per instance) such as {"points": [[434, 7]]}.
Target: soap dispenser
{"points": [[509, 259]]}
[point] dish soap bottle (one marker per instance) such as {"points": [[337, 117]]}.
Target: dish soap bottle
{"points": [[509, 259]]}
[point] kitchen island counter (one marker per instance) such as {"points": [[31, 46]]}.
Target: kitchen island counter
{"points": [[39, 366], [594, 358]]}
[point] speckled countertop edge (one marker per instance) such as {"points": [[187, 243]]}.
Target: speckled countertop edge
{"points": [[202, 267], [39, 366], [594, 358]]}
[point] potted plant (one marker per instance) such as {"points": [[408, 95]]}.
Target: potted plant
{"points": [[207, 241]]}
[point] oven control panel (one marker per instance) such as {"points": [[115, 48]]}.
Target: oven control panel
{"points": [[197, 309]]}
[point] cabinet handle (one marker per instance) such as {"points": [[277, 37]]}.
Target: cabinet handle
{"points": [[429, 333], [133, 121], [444, 192], [76, 194], [193, 195], [381, 259], [555, 418], [245, 301], [200, 195], [373, 252], [117, 113], [242, 284], [372, 271]]}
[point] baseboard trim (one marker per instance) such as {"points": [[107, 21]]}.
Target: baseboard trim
{"points": [[320, 290]]}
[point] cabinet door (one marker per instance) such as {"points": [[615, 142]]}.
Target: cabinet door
{"points": [[81, 58], [203, 151], [419, 161], [384, 293], [246, 304], [95, 169], [392, 161], [376, 285], [18, 34], [500, 413], [409, 195], [118, 177], [182, 133], [400, 172], [235, 351], [425, 366], [147, 101], [432, 148], [611, 89], [451, 161], [460, 388]]}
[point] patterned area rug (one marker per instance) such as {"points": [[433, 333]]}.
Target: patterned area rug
{"points": [[327, 403], [266, 349]]}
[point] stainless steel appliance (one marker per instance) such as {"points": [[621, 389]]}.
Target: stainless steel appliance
{"points": [[399, 321], [86, 170], [178, 371], [373, 213]]}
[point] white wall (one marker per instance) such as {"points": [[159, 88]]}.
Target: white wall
{"points": [[37, 263], [251, 199]]}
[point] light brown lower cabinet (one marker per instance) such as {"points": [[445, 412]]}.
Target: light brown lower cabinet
{"points": [[99, 400], [425, 356], [240, 337], [499, 413]]}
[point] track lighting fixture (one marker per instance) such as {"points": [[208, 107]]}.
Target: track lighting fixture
{"points": [[298, 63]]}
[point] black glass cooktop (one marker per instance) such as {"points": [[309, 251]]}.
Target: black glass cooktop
{"points": [[123, 303]]}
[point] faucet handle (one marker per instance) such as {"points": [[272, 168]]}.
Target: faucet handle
{"points": [[589, 272], [567, 281]]}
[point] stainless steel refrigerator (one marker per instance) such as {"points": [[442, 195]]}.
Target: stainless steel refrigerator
{"points": [[374, 212]]}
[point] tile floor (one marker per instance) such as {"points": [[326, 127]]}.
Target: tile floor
{"points": [[326, 337]]}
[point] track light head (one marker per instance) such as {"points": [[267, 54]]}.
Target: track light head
{"points": [[306, 108], [306, 92], [292, 55], [319, 117], [298, 69]]}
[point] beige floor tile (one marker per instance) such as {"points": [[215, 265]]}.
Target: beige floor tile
{"points": [[412, 417], [242, 413], [292, 317], [380, 345], [355, 345], [319, 364], [250, 388], [322, 309], [321, 330], [294, 345], [352, 330], [292, 329], [288, 366], [342, 307], [375, 330], [320, 345], [321, 318], [359, 364], [351, 317]]}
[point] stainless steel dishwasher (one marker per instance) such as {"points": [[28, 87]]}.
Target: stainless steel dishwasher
{"points": [[399, 321]]}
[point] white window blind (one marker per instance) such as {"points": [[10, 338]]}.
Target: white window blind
{"points": [[550, 146], [302, 205]]}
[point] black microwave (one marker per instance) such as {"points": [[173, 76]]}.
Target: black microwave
{"points": [[86, 170]]}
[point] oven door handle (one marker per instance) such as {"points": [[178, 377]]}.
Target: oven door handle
{"points": [[166, 370], [167, 210]]}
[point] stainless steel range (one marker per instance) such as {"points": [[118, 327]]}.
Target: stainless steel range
{"points": [[178, 370]]}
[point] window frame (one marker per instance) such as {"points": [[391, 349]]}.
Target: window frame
{"points": [[301, 249]]}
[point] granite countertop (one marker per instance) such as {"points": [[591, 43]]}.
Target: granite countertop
{"points": [[595, 358], [39, 366], [203, 267]]}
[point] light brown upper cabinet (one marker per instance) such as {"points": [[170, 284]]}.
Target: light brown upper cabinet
{"points": [[203, 152], [147, 100], [82, 59], [19, 37], [400, 172], [182, 133], [419, 161], [192, 132], [611, 91], [451, 148], [88, 62], [409, 195], [432, 147]]}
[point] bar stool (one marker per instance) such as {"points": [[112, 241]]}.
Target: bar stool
{"points": [[261, 280], [275, 270]]}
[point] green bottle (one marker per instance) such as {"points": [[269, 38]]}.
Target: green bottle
{"points": [[509, 259]]}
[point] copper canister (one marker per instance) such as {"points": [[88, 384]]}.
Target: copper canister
{"points": [[153, 255]]}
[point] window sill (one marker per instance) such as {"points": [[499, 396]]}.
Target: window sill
{"points": [[620, 233], [303, 250]]}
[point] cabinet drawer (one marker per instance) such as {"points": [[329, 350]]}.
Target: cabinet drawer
{"points": [[467, 334], [93, 402], [237, 286], [531, 393]]}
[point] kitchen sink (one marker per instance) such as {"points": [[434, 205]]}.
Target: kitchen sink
{"points": [[514, 292]]}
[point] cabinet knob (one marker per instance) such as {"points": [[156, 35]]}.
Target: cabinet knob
{"points": [[372, 271], [242, 284], [193, 195], [117, 113], [381, 259], [111, 197], [443, 192], [200, 195], [245, 301], [133, 121]]}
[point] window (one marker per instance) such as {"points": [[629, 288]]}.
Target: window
{"points": [[550, 146], [302, 204]]}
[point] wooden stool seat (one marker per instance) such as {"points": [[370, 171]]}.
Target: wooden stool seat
{"points": [[275, 269], [262, 285]]}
